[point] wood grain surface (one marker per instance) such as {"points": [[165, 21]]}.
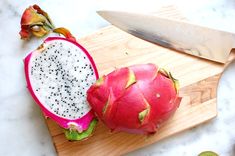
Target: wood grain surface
{"points": [[112, 48]]}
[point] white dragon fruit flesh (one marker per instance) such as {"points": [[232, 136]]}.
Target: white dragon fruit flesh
{"points": [[58, 74]]}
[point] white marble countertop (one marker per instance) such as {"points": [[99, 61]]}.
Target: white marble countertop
{"points": [[23, 130]]}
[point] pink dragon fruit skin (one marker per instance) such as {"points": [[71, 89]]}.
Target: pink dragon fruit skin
{"points": [[135, 99], [80, 124]]}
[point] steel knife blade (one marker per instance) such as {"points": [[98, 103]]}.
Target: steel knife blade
{"points": [[201, 41]]}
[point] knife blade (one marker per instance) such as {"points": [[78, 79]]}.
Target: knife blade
{"points": [[182, 36]]}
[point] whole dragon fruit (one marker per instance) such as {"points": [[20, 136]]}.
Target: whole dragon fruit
{"points": [[135, 99], [58, 74]]}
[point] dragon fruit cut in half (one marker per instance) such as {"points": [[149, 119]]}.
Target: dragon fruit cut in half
{"points": [[58, 74]]}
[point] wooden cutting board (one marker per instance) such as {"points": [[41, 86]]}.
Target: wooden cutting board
{"points": [[112, 48]]}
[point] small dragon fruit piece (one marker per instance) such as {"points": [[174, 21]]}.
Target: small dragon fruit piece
{"points": [[135, 99], [35, 22], [58, 74], [65, 32]]}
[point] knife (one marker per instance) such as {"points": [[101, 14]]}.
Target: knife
{"points": [[182, 36]]}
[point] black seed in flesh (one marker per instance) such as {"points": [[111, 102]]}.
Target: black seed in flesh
{"points": [[65, 70]]}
